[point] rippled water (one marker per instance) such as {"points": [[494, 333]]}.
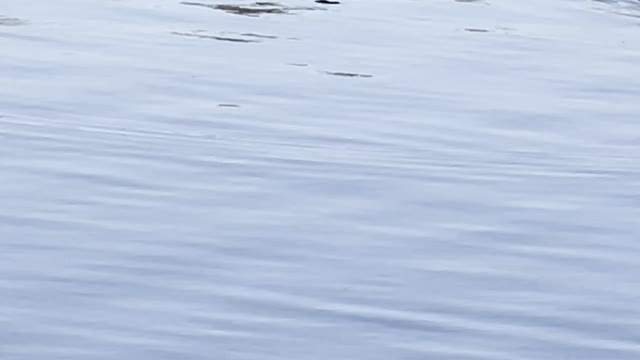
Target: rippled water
{"points": [[370, 180]]}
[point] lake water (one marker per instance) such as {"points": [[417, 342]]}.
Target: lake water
{"points": [[403, 179]]}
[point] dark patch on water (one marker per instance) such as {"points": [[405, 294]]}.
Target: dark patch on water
{"points": [[214, 37], [348, 74], [8, 21], [255, 9], [236, 37], [628, 8], [476, 30], [260, 36], [229, 105]]}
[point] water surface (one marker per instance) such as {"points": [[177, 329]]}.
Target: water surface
{"points": [[370, 180]]}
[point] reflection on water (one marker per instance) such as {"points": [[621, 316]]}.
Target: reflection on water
{"points": [[406, 180]]}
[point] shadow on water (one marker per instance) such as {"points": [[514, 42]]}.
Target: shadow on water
{"points": [[257, 8]]}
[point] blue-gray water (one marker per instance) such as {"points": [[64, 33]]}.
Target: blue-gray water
{"points": [[372, 180]]}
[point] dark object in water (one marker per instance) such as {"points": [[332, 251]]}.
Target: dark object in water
{"points": [[328, 2], [255, 9], [476, 30], [347, 74], [241, 10]]}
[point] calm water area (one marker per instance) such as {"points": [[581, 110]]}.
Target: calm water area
{"points": [[369, 180]]}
